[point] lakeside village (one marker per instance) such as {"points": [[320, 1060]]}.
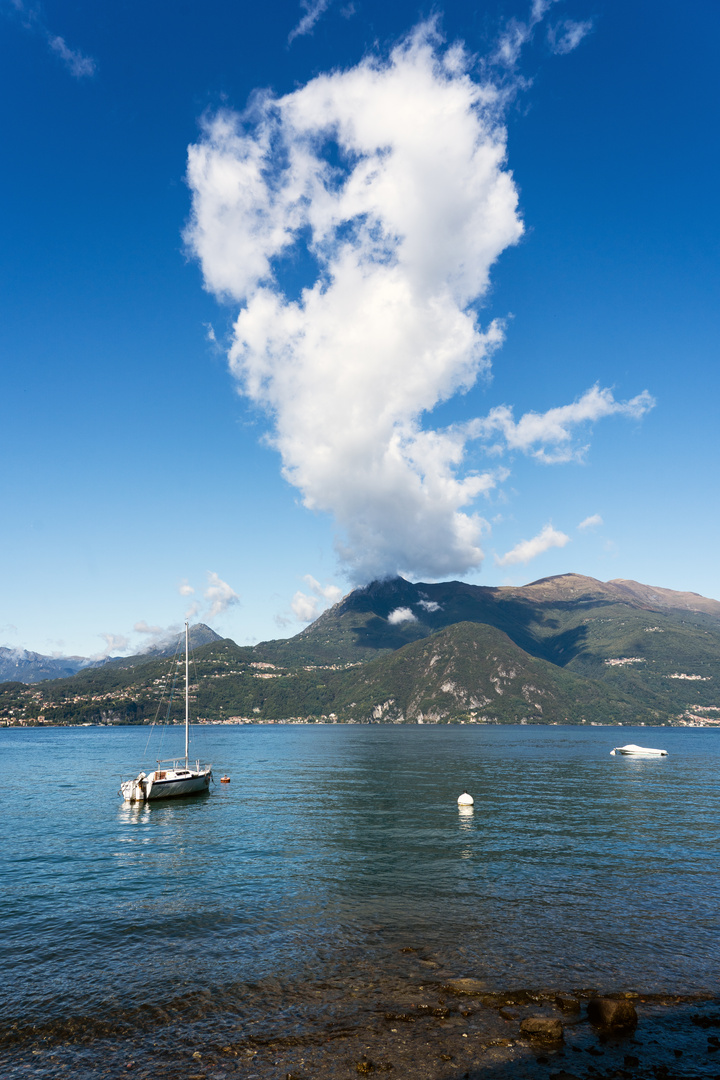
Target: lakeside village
{"points": [[695, 716], [113, 704]]}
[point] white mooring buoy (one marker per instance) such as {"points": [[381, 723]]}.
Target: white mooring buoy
{"points": [[465, 799]]}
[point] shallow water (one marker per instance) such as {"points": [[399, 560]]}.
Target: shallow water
{"points": [[334, 848]]}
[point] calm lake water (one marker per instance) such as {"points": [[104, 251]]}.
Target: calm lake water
{"points": [[334, 848]]}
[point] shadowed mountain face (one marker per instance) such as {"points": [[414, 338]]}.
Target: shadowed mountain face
{"points": [[655, 647], [553, 618]]}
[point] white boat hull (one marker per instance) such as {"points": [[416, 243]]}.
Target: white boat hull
{"points": [[166, 784], [638, 751]]}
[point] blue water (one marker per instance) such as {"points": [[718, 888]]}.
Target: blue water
{"points": [[333, 848]]}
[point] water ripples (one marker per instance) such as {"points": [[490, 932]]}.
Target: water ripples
{"points": [[335, 847]]}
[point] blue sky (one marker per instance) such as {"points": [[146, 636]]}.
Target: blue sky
{"points": [[136, 466]]}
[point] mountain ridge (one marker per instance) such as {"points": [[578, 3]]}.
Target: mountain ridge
{"points": [[562, 649], [358, 626]]}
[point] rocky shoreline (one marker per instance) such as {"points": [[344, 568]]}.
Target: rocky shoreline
{"points": [[460, 1029]]}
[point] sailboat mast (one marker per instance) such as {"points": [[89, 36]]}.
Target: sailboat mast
{"points": [[187, 694]]}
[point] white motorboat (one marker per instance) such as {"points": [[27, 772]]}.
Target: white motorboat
{"points": [[174, 776], [631, 750]]}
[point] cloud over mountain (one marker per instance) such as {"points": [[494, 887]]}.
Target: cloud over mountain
{"points": [[307, 606], [387, 186]]}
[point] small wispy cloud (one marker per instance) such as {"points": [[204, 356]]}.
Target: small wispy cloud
{"points": [[517, 33], [401, 615], [548, 436], [217, 597], [529, 549], [592, 522], [429, 605], [8, 631], [313, 10], [220, 595], [79, 65], [567, 35], [114, 643], [306, 607], [31, 18]]}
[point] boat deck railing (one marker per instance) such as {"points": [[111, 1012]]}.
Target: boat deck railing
{"points": [[179, 764]]}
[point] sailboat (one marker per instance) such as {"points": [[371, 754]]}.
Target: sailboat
{"points": [[171, 778]]}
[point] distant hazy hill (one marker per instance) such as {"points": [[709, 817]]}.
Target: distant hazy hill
{"points": [[31, 667], [667, 598], [199, 635], [19, 665], [562, 648]]}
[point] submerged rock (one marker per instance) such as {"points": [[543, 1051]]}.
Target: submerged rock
{"points": [[466, 986], [510, 997], [542, 1028], [567, 1004], [365, 1066], [612, 1013]]}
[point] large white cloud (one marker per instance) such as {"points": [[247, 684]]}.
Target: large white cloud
{"points": [[388, 184]]}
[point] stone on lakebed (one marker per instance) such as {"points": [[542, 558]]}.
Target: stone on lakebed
{"points": [[612, 1013], [567, 1004], [542, 1028], [466, 986]]}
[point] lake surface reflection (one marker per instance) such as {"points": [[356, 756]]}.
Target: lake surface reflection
{"points": [[335, 848]]}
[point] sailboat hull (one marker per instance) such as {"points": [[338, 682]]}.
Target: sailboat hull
{"points": [[176, 787], [167, 784]]}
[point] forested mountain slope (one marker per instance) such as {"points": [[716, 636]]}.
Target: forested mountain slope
{"points": [[562, 649]]}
